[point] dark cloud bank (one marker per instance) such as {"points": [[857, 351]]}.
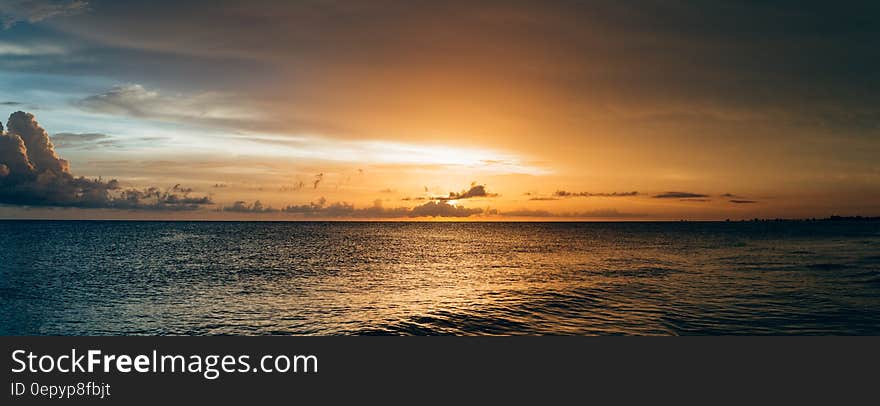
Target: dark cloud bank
{"points": [[32, 174], [321, 209]]}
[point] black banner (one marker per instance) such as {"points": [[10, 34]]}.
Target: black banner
{"points": [[453, 369]]}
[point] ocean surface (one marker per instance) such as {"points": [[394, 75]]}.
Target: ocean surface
{"points": [[256, 278]]}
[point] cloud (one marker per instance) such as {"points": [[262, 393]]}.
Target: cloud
{"points": [[153, 198], [443, 209], [679, 195], [32, 11], [77, 137], [737, 199], [30, 50], [298, 185], [33, 174], [600, 213], [134, 100], [309, 47], [377, 210], [562, 194], [38, 148], [81, 140], [474, 191], [318, 178], [242, 207], [307, 209], [10, 103], [696, 200]]}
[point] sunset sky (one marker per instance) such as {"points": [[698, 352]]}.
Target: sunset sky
{"points": [[600, 110]]}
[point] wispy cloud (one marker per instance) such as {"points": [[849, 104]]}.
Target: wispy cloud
{"points": [[737, 199], [15, 11], [680, 195], [81, 140], [28, 49], [563, 194], [137, 101]]}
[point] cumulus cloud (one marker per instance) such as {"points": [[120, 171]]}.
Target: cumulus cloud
{"points": [[14, 11], [679, 195], [38, 147], [33, 174], [474, 191]]}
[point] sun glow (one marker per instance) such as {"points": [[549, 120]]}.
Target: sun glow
{"points": [[373, 152]]}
